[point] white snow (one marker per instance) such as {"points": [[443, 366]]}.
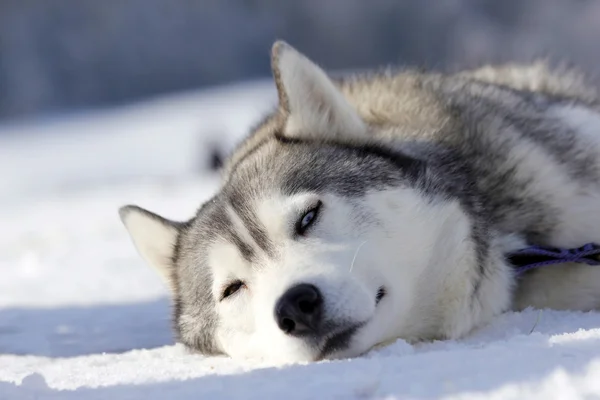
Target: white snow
{"points": [[81, 316]]}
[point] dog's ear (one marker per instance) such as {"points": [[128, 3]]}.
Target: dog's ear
{"points": [[154, 238], [313, 106]]}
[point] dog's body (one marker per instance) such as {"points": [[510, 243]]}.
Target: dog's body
{"points": [[382, 207]]}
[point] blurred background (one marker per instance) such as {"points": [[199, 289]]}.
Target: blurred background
{"points": [[164, 87]]}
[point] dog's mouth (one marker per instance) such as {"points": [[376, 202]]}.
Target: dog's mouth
{"points": [[381, 292], [338, 341]]}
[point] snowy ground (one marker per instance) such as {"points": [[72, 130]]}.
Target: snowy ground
{"points": [[81, 317]]}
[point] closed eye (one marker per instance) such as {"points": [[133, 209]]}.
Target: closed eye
{"points": [[231, 289], [308, 218]]}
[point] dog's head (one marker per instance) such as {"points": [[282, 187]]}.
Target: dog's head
{"points": [[319, 243]]}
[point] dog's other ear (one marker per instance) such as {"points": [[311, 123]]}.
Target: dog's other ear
{"points": [[154, 238], [314, 107]]}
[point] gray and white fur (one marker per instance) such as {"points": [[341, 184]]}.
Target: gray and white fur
{"points": [[381, 206]]}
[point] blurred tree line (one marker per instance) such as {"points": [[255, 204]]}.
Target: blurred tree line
{"points": [[58, 55]]}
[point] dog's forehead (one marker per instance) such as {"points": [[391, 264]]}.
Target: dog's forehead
{"points": [[268, 182], [277, 178], [245, 231], [309, 166]]}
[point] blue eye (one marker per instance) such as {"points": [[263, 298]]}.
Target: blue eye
{"points": [[307, 219]]}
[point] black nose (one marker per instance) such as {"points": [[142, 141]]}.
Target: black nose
{"points": [[298, 312]]}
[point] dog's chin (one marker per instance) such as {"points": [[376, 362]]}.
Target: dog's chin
{"points": [[337, 343]]}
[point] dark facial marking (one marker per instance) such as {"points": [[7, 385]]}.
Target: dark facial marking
{"points": [[250, 220], [345, 169], [221, 223], [245, 249]]}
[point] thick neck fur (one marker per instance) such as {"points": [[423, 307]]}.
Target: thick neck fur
{"points": [[466, 278], [493, 121]]}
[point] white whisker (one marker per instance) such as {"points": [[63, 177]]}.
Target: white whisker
{"points": [[356, 254]]}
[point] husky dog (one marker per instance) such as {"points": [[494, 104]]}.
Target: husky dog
{"points": [[381, 206]]}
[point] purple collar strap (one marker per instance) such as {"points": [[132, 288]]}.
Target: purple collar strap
{"points": [[537, 256]]}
